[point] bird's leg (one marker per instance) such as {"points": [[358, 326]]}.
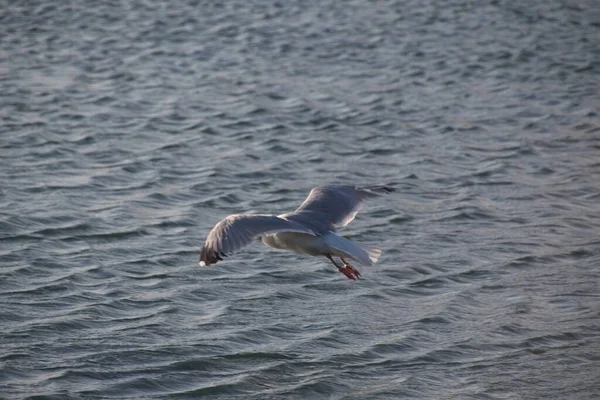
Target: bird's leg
{"points": [[350, 272], [349, 267]]}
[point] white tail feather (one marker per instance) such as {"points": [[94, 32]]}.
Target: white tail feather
{"points": [[374, 252], [342, 247]]}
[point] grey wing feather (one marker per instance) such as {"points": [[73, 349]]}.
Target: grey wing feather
{"points": [[329, 207], [237, 231]]}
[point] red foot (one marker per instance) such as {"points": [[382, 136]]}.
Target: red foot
{"points": [[349, 271]]}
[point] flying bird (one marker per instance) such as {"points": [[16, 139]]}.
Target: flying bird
{"points": [[311, 229]]}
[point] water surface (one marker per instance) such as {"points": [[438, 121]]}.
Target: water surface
{"points": [[128, 129]]}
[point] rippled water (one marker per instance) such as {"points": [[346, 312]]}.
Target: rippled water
{"points": [[129, 128]]}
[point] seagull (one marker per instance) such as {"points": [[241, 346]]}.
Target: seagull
{"points": [[311, 229]]}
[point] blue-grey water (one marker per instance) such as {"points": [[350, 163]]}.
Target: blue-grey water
{"points": [[129, 128]]}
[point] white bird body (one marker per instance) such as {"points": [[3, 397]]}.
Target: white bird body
{"points": [[301, 243], [308, 230]]}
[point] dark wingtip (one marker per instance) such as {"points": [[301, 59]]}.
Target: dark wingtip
{"points": [[208, 257], [375, 190], [380, 189], [204, 261]]}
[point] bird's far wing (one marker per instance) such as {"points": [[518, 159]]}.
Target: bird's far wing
{"points": [[237, 231], [332, 207]]}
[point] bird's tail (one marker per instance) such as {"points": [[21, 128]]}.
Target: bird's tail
{"points": [[374, 252], [342, 247]]}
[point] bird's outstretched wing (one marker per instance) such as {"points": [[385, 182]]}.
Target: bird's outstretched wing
{"points": [[330, 207], [237, 231]]}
